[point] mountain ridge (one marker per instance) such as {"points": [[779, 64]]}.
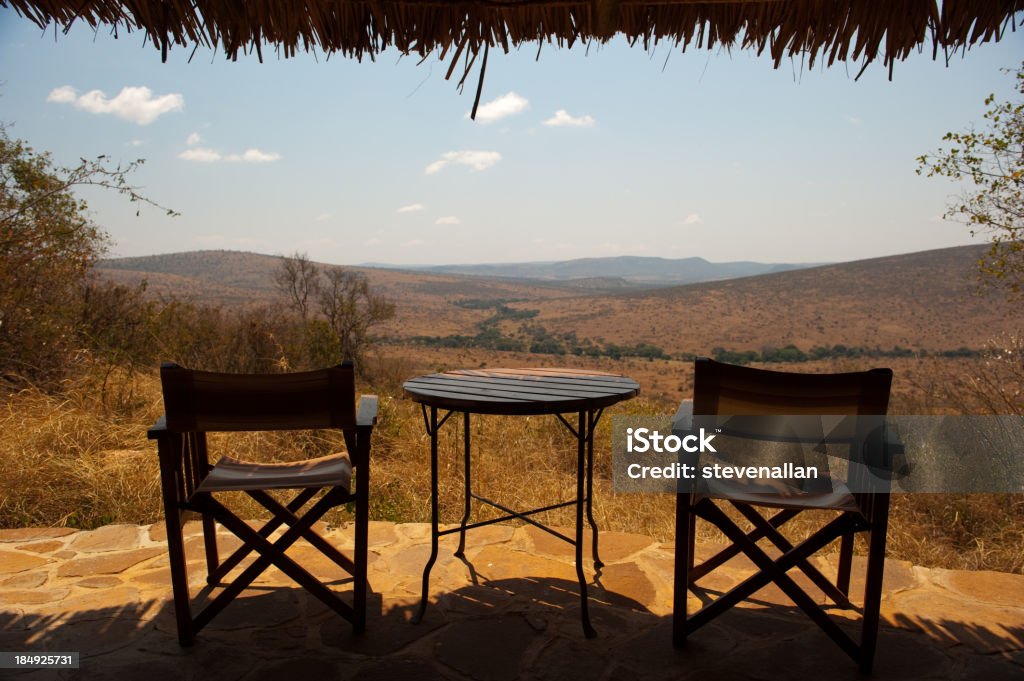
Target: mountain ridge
{"points": [[926, 299], [636, 269]]}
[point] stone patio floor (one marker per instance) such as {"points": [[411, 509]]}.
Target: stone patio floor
{"points": [[511, 611]]}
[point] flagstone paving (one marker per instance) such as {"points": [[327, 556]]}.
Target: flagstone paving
{"points": [[509, 611]]}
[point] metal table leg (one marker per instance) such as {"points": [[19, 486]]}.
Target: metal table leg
{"points": [[467, 490], [592, 418], [432, 428], [581, 452]]}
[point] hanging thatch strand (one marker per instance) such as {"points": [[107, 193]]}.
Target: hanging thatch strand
{"points": [[858, 30]]}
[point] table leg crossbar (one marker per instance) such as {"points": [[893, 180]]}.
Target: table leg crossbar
{"points": [[521, 515]]}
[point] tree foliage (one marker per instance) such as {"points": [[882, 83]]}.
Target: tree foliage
{"points": [[351, 310], [48, 244], [992, 162], [348, 309], [298, 280]]}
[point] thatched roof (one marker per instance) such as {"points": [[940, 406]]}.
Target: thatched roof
{"points": [[857, 30]]}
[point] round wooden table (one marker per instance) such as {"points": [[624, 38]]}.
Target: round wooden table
{"points": [[519, 392]]}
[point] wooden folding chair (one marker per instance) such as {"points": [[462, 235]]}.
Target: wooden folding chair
{"points": [[723, 389], [198, 402]]}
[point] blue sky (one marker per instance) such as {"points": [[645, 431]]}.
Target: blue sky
{"points": [[706, 154]]}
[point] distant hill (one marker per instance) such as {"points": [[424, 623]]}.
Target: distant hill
{"points": [[925, 300], [647, 271], [230, 277], [918, 300], [237, 278]]}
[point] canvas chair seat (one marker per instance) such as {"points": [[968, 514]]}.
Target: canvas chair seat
{"points": [[231, 474]]}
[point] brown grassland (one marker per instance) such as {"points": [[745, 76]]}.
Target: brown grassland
{"points": [[80, 457], [82, 462], [928, 300]]}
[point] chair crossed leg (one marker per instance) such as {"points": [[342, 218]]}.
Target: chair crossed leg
{"points": [[838, 593], [217, 570], [842, 527], [272, 553]]}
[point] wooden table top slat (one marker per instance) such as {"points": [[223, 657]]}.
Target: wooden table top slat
{"points": [[520, 391], [553, 382], [475, 391], [513, 386], [428, 394], [543, 371], [540, 374]]}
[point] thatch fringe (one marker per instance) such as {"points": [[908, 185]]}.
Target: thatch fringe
{"points": [[836, 30]]}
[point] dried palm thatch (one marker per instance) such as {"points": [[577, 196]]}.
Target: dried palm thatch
{"points": [[857, 30]]}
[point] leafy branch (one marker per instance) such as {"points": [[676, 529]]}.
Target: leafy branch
{"points": [[991, 161]]}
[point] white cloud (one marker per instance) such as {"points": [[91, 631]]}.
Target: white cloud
{"points": [[64, 94], [254, 156], [136, 143], [322, 217], [562, 118], [413, 243], [508, 104], [448, 220], [373, 242], [193, 139], [135, 104], [692, 219], [411, 208], [477, 160], [200, 155], [854, 120], [204, 155]]}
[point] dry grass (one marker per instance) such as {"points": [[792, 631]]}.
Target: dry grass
{"points": [[960, 531], [82, 460], [71, 461]]}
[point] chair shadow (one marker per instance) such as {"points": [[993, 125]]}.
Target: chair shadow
{"points": [[505, 629]]}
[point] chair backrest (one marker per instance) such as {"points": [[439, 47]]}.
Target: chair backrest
{"points": [[729, 389], [203, 401]]}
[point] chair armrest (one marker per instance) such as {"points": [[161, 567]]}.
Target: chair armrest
{"points": [[682, 422], [892, 450], [885, 455], [893, 446], [896, 455], [158, 429], [366, 411]]}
